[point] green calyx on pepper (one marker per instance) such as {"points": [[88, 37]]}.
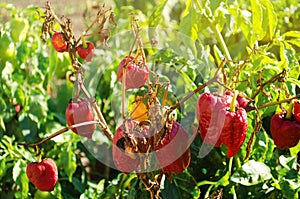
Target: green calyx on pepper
{"points": [[222, 120]]}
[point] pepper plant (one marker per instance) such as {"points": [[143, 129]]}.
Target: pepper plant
{"points": [[223, 75]]}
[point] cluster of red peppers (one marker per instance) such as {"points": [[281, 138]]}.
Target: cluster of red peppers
{"points": [[285, 127], [223, 120], [131, 145]]}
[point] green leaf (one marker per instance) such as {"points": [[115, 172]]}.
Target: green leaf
{"points": [[243, 23], [68, 159], [155, 18], [295, 42], [187, 185], [3, 166], [100, 186], [263, 147], [189, 27], [20, 178], [2, 125], [43, 195], [156, 15], [294, 150], [28, 127], [252, 173], [170, 190], [290, 187], [292, 34], [23, 52], [38, 108], [257, 19], [264, 20], [16, 170], [79, 186], [270, 20], [214, 4], [288, 162]]}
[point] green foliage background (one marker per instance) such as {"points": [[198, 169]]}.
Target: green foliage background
{"points": [[36, 79]]}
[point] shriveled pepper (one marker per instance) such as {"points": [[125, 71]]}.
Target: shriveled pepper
{"points": [[218, 124], [124, 151], [285, 131]]}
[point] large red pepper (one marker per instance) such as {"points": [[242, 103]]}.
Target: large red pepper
{"points": [[172, 151], [218, 125], [285, 132]]}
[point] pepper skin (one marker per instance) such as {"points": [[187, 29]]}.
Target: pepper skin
{"points": [[218, 125], [136, 72], [285, 133], [125, 156], [173, 151], [297, 110]]}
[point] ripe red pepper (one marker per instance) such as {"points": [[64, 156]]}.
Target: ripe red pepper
{"points": [[218, 125], [285, 132], [172, 152], [78, 111], [136, 72], [125, 158], [297, 110]]}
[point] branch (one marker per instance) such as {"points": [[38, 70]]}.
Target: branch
{"points": [[248, 109], [214, 79], [152, 187], [273, 79], [61, 131]]}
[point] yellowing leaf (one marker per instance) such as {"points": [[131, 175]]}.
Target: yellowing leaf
{"points": [[139, 112]]}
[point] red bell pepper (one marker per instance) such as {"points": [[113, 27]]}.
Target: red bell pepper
{"points": [[285, 132], [218, 124]]}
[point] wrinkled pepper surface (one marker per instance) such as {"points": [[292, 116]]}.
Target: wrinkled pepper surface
{"points": [[173, 151], [218, 125], [285, 132]]}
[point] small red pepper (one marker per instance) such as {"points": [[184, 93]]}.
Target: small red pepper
{"points": [[218, 125], [285, 132], [125, 156]]}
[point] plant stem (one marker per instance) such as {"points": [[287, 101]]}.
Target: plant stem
{"points": [[232, 104], [102, 123], [84, 44], [206, 182], [39, 155], [217, 32], [290, 110], [278, 102], [221, 41], [248, 109], [214, 79], [123, 91], [273, 79], [61, 131]]}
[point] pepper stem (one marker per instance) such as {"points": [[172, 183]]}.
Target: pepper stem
{"points": [[290, 111], [84, 44], [39, 154], [232, 104]]}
